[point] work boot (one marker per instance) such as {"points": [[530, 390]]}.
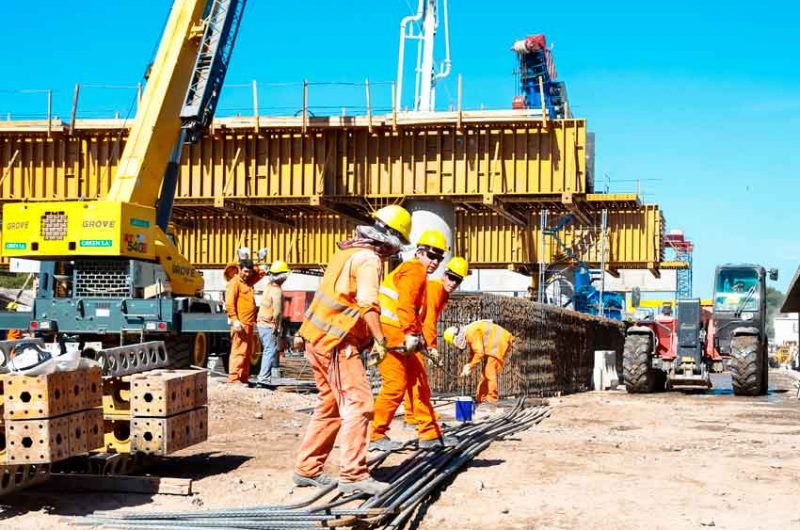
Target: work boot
{"points": [[384, 444], [320, 481], [447, 441], [367, 486]]}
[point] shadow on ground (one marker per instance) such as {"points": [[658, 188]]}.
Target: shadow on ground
{"points": [[80, 503]]}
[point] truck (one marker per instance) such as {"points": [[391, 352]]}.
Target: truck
{"points": [[111, 276], [682, 350]]}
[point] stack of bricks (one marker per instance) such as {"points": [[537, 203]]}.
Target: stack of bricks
{"points": [[48, 418], [168, 410]]}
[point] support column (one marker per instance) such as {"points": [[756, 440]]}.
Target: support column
{"points": [[436, 215]]}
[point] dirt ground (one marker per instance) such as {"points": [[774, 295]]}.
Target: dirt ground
{"points": [[602, 460]]}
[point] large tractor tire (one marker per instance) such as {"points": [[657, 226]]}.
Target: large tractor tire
{"points": [[639, 376], [747, 366], [200, 350]]}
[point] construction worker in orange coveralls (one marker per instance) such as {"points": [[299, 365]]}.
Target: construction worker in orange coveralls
{"points": [[342, 319], [240, 304], [437, 296], [490, 344], [403, 295]]}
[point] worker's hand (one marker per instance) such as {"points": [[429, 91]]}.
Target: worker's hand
{"points": [[466, 370], [412, 343], [237, 326], [264, 268], [298, 343], [379, 353], [262, 254], [434, 356]]}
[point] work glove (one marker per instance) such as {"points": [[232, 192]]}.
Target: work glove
{"points": [[237, 326], [434, 356], [264, 268], [412, 343], [298, 343], [262, 254], [379, 353], [466, 370]]}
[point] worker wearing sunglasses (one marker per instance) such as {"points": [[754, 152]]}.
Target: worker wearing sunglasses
{"points": [[438, 295], [403, 302]]}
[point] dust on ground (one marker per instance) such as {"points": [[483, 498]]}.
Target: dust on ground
{"points": [[602, 460]]}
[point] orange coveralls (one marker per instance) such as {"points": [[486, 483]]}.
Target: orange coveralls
{"points": [[240, 304], [403, 294], [435, 302], [335, 332], [488, 340]]}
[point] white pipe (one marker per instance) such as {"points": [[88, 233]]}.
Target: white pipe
{"points": [[446, 64], [426, 74], [417, 71], [401, 55]]}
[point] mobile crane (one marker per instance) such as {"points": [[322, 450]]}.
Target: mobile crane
{"points": [[110, 273]]}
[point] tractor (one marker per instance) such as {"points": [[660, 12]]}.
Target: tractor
{"points": [[681, 351]]}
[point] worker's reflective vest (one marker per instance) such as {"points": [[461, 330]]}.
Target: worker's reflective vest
{"points": [[332, 316], [389, 298], [496, 340]]}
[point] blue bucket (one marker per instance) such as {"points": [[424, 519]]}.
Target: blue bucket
{"points": [[464, 407]]}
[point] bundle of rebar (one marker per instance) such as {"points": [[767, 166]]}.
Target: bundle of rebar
{"points": [[553, 351], [418, 479]]}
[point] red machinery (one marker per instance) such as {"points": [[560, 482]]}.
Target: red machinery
{"points": [[683, 351], [671, 351]]}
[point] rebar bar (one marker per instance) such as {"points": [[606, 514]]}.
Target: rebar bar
{"points": [[416, 479]]}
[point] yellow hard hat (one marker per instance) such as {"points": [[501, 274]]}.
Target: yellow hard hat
{"points": [[458, 266], [279, 267], [433, 239], [12, 306], [450, 334], [397, 218]]}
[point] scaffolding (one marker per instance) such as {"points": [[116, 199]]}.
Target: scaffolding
{"points": [[678, 249]]}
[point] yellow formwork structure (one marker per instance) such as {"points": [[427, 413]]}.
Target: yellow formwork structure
{"points": [[487, 239], [283, 183], [633, 239], [280, 165]]}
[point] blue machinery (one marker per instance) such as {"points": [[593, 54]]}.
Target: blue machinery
{"points": [[586, 297], [537, 75]]}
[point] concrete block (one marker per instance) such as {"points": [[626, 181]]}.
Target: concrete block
{"points": [[161, 436], [38, 441], [38, 397], [162, 393]]}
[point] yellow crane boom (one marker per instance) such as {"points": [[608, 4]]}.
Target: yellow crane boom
{"points": [[188, 71]]}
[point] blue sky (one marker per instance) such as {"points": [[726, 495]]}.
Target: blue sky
{"points": [[701, 101]]}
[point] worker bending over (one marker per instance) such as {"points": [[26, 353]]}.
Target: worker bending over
{"points": [[490, 344], [403, 295], [342, 319], [270, 320], [438, 294], [240, 304]]}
